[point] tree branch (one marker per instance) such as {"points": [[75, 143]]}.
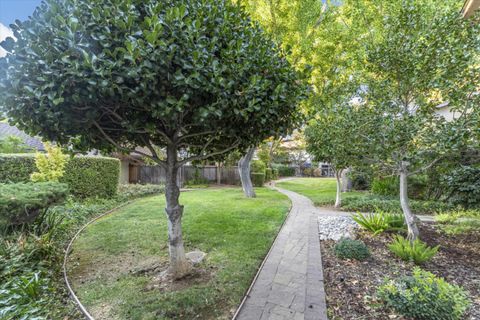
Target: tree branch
{"points": [[205, 156]]}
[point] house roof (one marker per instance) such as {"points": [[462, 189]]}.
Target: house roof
{"points": [[469, 7], [33, 142]]}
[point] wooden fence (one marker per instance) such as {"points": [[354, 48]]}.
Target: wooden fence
{"points": [[156, 174]]}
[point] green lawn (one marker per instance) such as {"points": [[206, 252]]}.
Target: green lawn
{"points": [[235, 232], [321, 191]]}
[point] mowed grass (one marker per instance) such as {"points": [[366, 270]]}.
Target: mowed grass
{"points": [[321, 191], [235, 232]]}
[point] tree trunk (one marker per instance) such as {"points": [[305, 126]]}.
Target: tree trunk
{"points": [[179, 265], [338, 199], [409, 216], [219, 173], [244, 171], [346, 181]]}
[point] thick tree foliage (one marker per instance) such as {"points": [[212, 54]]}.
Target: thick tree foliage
{"points": [[422, 55], [194, 77]]}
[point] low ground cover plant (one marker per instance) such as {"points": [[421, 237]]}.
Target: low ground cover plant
{"points": [[416, 251], [423, 296], [459, 221], [31, 286], [370, 203], [347, 248]]}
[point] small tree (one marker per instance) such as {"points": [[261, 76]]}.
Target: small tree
{"points": [[195, 78], [333, 136], [421, 56]]}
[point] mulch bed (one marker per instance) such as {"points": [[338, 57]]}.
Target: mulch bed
{"points": [[351, 285]]}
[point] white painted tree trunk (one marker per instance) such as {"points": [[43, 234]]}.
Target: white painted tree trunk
{"points": [[338, 198], [179, 265], [244, 171], [407, 212]]}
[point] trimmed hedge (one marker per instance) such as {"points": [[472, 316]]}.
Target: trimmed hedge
{"points": [[16, 167], [86, 176], [284, 171], [92, 176], [258, 179]]}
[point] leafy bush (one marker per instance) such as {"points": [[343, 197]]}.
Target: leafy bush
{"points": [[92, 176], [423, 296], [372, 203], [307, 172], [86, 176], [268, 174], [361, 178], [284, 171], [130, 191], [258, 166], [22, 203], [385, 186], [347, 248], [50, 166], [418, 251], [463, 186], [459, 221], [274, 174], [16, 167], [258, 179], [380, 221], [13, 144]]}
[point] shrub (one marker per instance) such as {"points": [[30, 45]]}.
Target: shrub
{"points": [[130, 191], [258, 166], [258, 179], [385, 186], [371, 203], [16, 167], [13, 144], [274, 174], [459, 221], [317, 172], [380, 221], [463, 186], [423, 296], [92, 176], [308, 172], [50, 166], [361, 178], [284, 171], [347, 248], [268, 174], [86, 176], [418, 251], [22, 203]]}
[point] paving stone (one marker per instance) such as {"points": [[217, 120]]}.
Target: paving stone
{"points": [[291, 277]]}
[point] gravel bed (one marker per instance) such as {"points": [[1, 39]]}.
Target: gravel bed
{"points": [[334, 228]]}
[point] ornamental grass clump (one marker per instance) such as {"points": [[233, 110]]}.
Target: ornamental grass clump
{"points": [[347, 248], [423, 296]]}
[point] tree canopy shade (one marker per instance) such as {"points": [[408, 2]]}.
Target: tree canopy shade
{"points": [[195, 77]]}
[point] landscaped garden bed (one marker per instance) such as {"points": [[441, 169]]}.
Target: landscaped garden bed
{"points": [[115, 268], [351, 286]]}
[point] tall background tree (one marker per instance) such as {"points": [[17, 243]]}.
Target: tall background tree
{"points": [[420, 56], [195, 78]]}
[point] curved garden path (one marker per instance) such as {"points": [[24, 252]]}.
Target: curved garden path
{"points": [[290, 283]]}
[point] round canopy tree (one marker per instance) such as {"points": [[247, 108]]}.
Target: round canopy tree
{"points": [[196, 78]]}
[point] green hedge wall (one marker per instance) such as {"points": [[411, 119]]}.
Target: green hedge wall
{"points": [[86, 176]]}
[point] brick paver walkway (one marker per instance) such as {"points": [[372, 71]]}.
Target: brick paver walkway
{"points": [[290, 283]]}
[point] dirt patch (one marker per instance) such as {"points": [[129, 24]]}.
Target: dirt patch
{"points": [[351, 285], [166, 284]]}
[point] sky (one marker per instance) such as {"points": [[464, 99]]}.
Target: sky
{"points": [[11, 10]]}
